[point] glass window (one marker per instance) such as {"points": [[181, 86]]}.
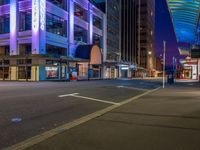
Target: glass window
{"points": [[51, 72], [24, 72], [56, 25], [4, 24], [25, 21], [97, 22], [80, 12], [80, 34]]}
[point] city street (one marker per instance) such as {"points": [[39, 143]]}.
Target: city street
{"points": [[28, 109], [167, 119]]}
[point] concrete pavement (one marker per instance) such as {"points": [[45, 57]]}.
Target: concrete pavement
{"points": [[168, 119]]}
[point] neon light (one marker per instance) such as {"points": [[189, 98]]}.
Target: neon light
{"points": [[42, 14], [13, 20], [35, 15], [13, 27]]}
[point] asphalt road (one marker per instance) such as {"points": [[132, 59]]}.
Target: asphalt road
{"points": [[28, 109], [167, 119]]}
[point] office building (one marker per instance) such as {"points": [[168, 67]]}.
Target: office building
{"points": [[50, 40]]}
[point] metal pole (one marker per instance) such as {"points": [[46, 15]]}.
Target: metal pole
{"points": [[139, 24], [164, 52], [3, 64]]}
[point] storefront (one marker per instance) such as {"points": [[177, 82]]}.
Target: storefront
{"points": [[92, 69]]}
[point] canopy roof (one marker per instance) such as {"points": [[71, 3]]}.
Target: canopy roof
{"points": [[184, 14]]}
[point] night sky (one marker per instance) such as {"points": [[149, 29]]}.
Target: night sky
{"points": [[164, 31]]}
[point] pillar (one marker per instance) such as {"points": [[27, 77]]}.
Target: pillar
{"points": [[38, 26], [14, 26], [90, 23], [71, 27]]}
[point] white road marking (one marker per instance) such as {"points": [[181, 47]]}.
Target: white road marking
{"points": [[48, 134], [88, 98], [132, 88], [67, 95]]}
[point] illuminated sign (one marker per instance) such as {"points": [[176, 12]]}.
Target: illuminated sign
{"points": [[38, 14], [35, 14], [42, 14]]}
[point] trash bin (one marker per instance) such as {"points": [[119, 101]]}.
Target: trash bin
{"points": [[170, 79]]}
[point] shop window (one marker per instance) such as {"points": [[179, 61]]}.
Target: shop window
{"points": [[4, 72], [51, 72], [24, 72]]}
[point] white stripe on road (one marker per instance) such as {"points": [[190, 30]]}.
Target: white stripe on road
{"points": [[88, 98], [132, 88], [67, 95]]}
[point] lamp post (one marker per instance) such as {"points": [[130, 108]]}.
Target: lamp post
{"points": [[164, 61]]}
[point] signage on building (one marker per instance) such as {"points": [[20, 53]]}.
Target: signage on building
{"points": [[42, 14], [35, 14]]}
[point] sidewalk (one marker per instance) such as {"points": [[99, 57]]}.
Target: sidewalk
{"points": [[167, 119]]}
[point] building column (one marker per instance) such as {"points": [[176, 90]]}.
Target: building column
{"points": [[38, 26], [14, 26], [71, 27], [90, 22]]}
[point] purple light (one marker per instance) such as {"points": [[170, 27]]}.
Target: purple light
{"points": [[13, 27]]}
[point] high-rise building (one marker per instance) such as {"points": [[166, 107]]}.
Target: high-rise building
{"points": [[112, 53], [130, 38], [50, 40], [137, 37], [146, 50]]}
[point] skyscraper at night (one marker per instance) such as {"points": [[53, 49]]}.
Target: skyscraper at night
{"points": [[130, 37]]}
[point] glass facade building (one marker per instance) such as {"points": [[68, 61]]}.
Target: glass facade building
{"points": [[39, 39]]}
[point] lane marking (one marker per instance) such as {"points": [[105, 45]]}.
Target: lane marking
{"points": [[97, 100], [48, 134], [132, 88], [67, 95], [88, 98]]}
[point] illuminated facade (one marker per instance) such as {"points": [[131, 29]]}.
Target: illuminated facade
{"points": [[185, 15], [39, 39]]}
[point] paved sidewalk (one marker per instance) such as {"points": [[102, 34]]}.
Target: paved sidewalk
{"points": [[167, 119]]}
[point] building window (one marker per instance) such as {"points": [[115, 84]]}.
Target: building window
{"points": [[56, 25], [51, 72], [24, 72], [80, 12], [80, 34], [97, 22], [4, 24], [25, 20], [4, 2], [59, 3]]}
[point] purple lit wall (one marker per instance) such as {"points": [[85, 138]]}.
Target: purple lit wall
{"points": [[71, 27], [38, 26], [13, 27], [90, 18]]}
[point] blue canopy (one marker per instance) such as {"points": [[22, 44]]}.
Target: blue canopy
{"points": [[185, 14]]}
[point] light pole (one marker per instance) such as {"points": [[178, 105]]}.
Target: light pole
{"points": [[139, 26], [174, 66], [164, 57]]}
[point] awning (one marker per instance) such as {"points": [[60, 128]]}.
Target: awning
{"points": [[184, 51], [89, 52], [184, 14]]}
